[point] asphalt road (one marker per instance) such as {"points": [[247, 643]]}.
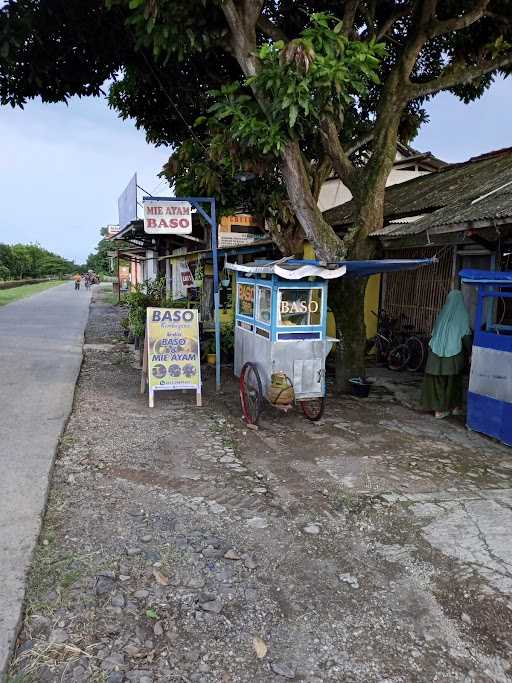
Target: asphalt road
{"points": [[41, 341]]}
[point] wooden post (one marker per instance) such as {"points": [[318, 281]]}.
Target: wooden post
{"points": [[144, 372]]}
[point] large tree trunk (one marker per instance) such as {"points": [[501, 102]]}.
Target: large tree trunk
{"points": [[346, 300]]}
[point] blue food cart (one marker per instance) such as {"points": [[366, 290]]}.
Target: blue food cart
{"points": [[281, 329], [490, 383]]}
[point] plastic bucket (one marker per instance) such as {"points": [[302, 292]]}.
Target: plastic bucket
{"points": [[359, 387]]}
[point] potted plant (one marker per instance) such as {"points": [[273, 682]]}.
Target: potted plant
{"points": [[225, 280], [209, 351], [227, 340], [125, 324]]}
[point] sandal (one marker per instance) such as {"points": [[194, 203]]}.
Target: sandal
{"points": [[440, 415]]}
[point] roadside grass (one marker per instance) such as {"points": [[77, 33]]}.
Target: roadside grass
{"points": [[112, 298], [7, 296]]}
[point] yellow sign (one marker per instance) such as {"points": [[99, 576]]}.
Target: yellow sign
{"points": [[173, 350]]}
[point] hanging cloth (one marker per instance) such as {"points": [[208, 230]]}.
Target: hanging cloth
{"points": [[451, 325]]}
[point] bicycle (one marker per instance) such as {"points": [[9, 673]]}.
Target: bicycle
{"points": [[410, 354], [398, 350], [383, 339]]}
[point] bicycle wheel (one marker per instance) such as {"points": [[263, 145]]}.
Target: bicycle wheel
{"points": [[251, 393], [313, 408], [398, 357], [417, 354]]}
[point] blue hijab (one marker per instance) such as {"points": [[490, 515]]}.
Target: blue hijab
{"points": [[451, 325]]}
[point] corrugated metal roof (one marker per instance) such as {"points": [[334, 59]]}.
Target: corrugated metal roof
{"points": [[436, 200]]}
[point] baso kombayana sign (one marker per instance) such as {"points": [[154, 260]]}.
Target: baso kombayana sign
{"points": [[167, 217]]}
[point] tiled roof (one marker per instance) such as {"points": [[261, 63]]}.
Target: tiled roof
{"points": [[476, 190]]}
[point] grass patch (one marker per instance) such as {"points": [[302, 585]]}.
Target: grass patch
{"points": [[110, 298], [7, 296]]}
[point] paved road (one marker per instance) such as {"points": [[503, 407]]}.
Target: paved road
{"points": [[40, 354]]}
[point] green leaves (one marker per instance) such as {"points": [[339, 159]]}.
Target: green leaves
{"points": [[293, 112], [297, 83]]}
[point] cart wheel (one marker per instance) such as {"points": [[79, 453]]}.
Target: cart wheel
{"points": [[251, 393], [313, 408]]}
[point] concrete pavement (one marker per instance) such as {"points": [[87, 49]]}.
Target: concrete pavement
{"points": [[41, 341]]}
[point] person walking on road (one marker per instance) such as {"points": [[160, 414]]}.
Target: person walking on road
{"points": [[77, 278], [451, 339]]}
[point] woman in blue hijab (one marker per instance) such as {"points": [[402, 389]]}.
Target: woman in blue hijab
{"points": [[451, 339]]}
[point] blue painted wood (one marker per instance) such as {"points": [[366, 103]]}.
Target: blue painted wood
{"points": [[486, 414]]}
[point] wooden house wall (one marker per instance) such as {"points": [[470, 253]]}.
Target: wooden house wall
{"points": [[419, 294]]}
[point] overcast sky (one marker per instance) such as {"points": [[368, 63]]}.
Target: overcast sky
{"points": [[62, 167]]}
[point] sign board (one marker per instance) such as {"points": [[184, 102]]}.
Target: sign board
{"points": [[173, 354], [112, 230], [167, 217], [187, 279], [124, 278], [127, 203], [246, 299], [178, 290], [237, 239]]}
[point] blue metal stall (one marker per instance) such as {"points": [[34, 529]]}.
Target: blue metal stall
{"points": [[490, 384]]}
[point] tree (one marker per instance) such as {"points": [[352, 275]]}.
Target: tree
{"points": [[99, 260], [297, 89], [31, 261]]}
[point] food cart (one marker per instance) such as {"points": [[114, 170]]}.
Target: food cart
{"points": [[490, 383], [281, 340]]}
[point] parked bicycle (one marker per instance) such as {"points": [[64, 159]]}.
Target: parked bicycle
{"points": [[383, 340], [398, 349]]}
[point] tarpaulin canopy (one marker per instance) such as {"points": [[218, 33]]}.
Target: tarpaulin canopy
{"points": [[296, 269], [471, 276]]}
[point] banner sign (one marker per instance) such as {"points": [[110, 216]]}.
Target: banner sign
{"points": [[127, 203], [187, 279], [167, 217], [173, 360], [112, 230]]}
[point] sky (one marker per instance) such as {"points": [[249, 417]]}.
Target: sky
{"points": [[62, 167]]}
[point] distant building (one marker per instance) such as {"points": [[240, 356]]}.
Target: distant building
{"points": [[409, 163], [461, 214]]}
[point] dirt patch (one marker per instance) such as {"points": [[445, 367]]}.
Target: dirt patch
{"points": [[177, 541]]}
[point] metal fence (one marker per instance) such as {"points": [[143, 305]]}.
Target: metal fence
{"points": [[418, 295]]}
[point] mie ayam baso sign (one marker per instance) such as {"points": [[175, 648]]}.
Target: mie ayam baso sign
{"points": [[167, 217], [173, 353]]}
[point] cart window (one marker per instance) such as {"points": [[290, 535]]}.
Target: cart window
{"points": [[497, 314], [263, 297], [245, 326], [246, 299], [300, 306], [263, 333]]}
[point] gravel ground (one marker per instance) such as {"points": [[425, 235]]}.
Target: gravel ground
{"points": [[180, 546]]}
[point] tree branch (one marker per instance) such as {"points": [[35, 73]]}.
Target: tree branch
{"points": [[251, 13], [338, 156], [388, 24], [363, 140], [438, 27], [349, 16], [270, 29], [243, 33], [320, 175], [457, 73]]}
